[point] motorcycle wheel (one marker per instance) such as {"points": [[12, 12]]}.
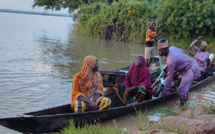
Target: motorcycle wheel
{"points": [[158, 91]]}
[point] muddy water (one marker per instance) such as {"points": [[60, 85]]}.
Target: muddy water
{"points": [[39, 56]]}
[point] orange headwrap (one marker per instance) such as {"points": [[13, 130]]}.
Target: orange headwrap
{"points": [[86, 82]]}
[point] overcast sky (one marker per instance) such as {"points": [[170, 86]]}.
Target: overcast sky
{"points": [[25, 5]]}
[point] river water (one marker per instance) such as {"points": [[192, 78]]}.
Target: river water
{"points": [[39, 56]]}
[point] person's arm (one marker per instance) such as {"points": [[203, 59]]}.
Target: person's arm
{"points": [[169, 77], [96, 96], [126, 82], [91, 103], [76, 92], [155, 36], [130, 89], [146, 82], [194, 42], [204, 58], [99, 88]]}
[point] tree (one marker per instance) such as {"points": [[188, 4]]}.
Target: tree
{"points": [[59, 4]]}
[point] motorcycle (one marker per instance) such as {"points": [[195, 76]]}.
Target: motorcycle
{"points": [[159, 83]]}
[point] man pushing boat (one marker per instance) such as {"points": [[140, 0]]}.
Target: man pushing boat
{"points": [[177, 60]]}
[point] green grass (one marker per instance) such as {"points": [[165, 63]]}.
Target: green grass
{"points": [[141, 121], [210, 108], [144, 124], [184, 107], [97, 128], [181, 129], [167, 111]]}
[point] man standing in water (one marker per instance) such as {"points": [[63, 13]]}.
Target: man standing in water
{"points": [[177, 60], [151, 35]]}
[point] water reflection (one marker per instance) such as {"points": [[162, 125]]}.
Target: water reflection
{"points": [[39, 56]]}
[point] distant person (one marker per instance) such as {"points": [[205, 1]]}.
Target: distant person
{"points": [[151, 36], [177, 60], [202, 55], [137, 84], [87, 88]]}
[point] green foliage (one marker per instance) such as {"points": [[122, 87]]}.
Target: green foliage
{"points": [[127, 19], [180, 129], [71, 4], [186, 18], [167, 111], [92, 129], [145, 125]]}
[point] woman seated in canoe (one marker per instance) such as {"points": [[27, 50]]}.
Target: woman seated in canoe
{"points": [[137, 84], [87, 88]]}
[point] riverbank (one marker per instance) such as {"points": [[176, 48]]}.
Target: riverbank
{"points": [[192, 119]]}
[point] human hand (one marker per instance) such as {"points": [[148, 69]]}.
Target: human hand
{"points": [[164, 94], [93, 106], [199, 37], [115, 86], [129, 90]]}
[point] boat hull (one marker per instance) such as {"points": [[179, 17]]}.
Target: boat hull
{"points": [[55, 119]]}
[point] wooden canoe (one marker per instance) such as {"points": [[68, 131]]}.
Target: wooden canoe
{"points": [[117, 76], [55, 119]]}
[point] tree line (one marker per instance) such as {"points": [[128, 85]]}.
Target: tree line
{"points": [[127, 20]]}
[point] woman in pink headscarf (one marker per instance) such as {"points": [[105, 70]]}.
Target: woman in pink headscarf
{"points": [[137, 84]]}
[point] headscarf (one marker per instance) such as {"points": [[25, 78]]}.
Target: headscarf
{"points": [[204, 44], [86, 82], [162, 43], [138, 76]]}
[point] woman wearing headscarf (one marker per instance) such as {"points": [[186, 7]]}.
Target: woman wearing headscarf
{"points": [[87, 88], [137, 84]]}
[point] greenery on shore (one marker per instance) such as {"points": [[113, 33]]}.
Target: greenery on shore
{"points": [[178, 19], [181, 21], [96, 128], [142, 122]]}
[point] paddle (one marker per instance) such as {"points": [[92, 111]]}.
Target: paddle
{"points": [[193, 44]]}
